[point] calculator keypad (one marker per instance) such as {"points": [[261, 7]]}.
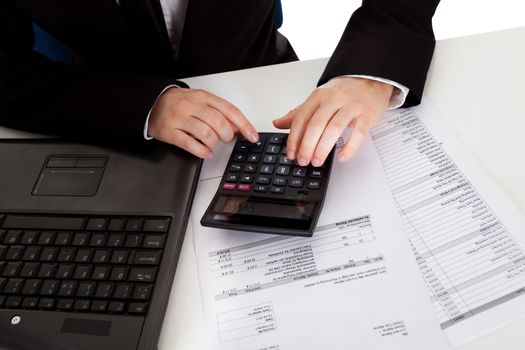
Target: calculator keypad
{"points": [[263, 168]]}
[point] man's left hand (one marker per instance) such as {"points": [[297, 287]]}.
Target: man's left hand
{"points": [[343, 102]]}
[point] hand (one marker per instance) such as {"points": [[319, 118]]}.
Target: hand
{"points": [[196, 120], [343, 102]]}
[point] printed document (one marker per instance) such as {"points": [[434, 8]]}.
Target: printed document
{"points": [[466, 236], [354, 284]]}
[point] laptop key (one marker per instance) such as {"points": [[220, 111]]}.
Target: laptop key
{"points": [[123, 291], [82, 272], [133, 241], [104, 290], [142, 291], [115, 240], [47, 303], [65, 304], [43, 222], [142, 274], [80, 239], [137, 308], [116, 306], [64, 271], [14, 286], [14, 253], [158, 225], [153, 241], [13, 301], [50, 287], [99, 306], [12, 237], [64, 238], [96, 224], [32, 253], [29, 237], [30, 270], [86, 289], [32, 286], [46, 238], [30, 302], [82, 305], [67, 288], [147, 257], [11, 269]]}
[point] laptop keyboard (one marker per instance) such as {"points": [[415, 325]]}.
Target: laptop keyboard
{"points": [[80, 263]]}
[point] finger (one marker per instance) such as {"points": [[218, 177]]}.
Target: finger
{"points": [[313, 131], [331, 134], [217, 121], [186, 142], [357, 137], [284, 122], [201, 131], [235, 116], [301, 116]]}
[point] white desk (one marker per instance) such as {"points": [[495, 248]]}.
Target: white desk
{"points": [[475, 83]]}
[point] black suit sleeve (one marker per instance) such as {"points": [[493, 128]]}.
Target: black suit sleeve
{"points": [[391, 39], [86, 101]]}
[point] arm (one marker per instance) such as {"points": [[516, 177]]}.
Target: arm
{"points": [[80, 100], [389, 39]]}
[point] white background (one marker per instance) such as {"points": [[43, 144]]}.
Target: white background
{"points": [[315, 26]]}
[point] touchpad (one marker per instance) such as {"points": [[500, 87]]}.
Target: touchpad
{"points": [[70, 175]]}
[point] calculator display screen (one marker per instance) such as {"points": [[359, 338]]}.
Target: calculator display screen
{"points": [[246, 206]]}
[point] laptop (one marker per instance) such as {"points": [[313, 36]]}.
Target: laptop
{"points": [[89, 242]]}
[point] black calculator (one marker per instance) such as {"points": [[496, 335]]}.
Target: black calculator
{"points": [[264, 191]]}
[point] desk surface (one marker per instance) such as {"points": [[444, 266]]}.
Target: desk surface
{"points": [[474, 83]]}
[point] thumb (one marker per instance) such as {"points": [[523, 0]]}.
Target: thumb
{"points": [[284, 122]]}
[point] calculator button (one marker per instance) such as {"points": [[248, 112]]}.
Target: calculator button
{"points": [[260, 188], [299, 171], [254, 158], [316, 173], [232, 178], [283, 170], [235, 167], [266, 169], [229, 186], [247, 179], [283, 160], [250, 168], [276, 139], [263, 179], [273, 149], [239, 157], [243, 147], [313, 184], [296, 182], [277, 190], [270, 159], [279, 181], [244, 187], [257, 147]]}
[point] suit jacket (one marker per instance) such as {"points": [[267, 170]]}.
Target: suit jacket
{"points": [[124, 58]]}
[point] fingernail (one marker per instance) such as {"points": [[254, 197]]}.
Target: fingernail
{"points": [[342, 158], [290, 154], [316, 162], [302, 161], [209, 155], [254, 137]]}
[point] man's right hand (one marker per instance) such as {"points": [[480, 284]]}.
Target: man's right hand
{"points": [[196, 121]]}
